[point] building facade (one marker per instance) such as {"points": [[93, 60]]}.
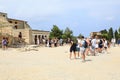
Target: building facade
{"points": [[39, 36], [14, 27], [92, 34]]}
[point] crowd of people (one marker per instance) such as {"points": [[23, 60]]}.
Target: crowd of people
{"points": [[88, 46], [54, 42], [84, 46]]}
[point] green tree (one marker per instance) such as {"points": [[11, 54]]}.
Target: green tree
{"points": [[116, 35], [67, 33], [105, 36], [110, 34], [80, 35], [56, 32], [119, 32], [104, 31]]}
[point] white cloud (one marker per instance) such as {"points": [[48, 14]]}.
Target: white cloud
{"points": [[46, 8], [111, 18]]}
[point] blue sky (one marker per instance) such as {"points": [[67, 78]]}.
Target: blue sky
{"points": [[81, 16]]}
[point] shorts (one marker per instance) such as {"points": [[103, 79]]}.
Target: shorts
{"points": [[78, 49], [100, 46], [93, 48], [72, 49], [82, 50]]}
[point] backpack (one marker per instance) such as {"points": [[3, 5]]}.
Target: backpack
{"points": [[100, 42], [85, 44]]}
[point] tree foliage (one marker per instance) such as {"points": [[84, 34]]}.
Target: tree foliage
{"points": [[56, 32], [119, 32], [80, 35], [110, 34], [104, 31], [116, 35], [67, 33]]}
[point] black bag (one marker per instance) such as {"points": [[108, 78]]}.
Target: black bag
{"points": [[101, 42], [85, 44]]}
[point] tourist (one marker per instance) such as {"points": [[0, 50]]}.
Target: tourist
{"points": [[47, 43], [73, 49], [61, 42], [4, 43], [118, 42], [55, 42], [105, 45], [93, 44], [113, 41], [82, 48], [100, 45], [88, 46], [97, 45], [50, 43], [20, 37], [78, 47]]}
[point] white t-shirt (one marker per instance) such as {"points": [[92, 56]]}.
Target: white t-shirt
{"points": [[79, 41], [82, 47], [97, 42], [93, 42], [105, 43], [78, 44]]}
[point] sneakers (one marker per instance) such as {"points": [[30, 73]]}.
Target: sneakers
{"points": [[83, 61]]}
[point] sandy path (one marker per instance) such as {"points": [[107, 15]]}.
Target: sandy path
{"points": [[54, 64]]}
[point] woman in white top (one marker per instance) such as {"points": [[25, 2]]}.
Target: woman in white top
{"points": [[96, 45], [105, 45], [78, 47]]}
